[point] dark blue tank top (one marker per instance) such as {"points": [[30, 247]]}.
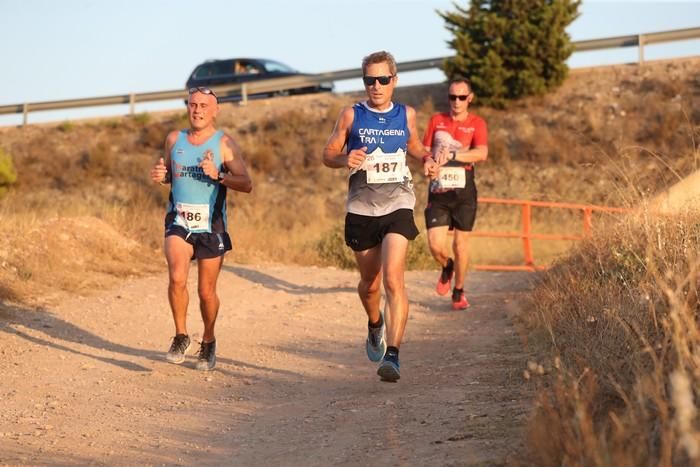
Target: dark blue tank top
{"points": [[385, 132]]}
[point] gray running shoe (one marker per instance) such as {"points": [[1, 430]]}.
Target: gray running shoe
{"points": [[376, 344], [206, 360], [389, 368], [181, 344]]}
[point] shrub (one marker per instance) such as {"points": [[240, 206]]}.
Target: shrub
{"points": [[153, 135], [333, 251], [98, 161], [111, 123], [142, 118], [66, 126], [8, 174]]}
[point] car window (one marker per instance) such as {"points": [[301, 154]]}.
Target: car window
{"points": [[212, 69], [202, 71], [245, 67], [272, 66]]}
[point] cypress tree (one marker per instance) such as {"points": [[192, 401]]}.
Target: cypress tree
{"points": [[510, 48]]}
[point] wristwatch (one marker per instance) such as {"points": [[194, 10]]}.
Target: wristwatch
{"points": [[454, 155], [221, 176]]}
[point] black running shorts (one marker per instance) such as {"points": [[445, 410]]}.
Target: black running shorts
{"points": [[205, 245], [453, 208], [365, 232]]}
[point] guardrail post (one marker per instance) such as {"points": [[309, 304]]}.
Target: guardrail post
{"points": [[244, 94], [640, 41], [25, 112], [587, 222], [527, 243], [132, 102]]}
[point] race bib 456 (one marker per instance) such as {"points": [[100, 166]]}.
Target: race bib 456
{"points": [[452, 177]]}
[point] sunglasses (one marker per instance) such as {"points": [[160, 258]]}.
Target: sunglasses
{"points": [[454, 97], [203, 90], [383, 80]]}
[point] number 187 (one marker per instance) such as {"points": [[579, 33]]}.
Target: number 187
{"points": [[385, 167]]}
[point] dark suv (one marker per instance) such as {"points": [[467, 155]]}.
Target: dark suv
{"points": [[244, 70]]}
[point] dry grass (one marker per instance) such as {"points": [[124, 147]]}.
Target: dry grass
{"points": [[620, 321]]}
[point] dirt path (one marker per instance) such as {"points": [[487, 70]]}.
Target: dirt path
{"points": [[85, 381]]}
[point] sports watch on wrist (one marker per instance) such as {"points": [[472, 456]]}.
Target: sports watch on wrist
{"points": [[454, 155], [221, 176]]}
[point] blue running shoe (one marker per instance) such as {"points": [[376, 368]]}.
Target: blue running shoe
{"points": [[376, 344], [389, 368]]}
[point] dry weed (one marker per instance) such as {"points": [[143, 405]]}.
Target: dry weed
{"points": [[622, 312]]}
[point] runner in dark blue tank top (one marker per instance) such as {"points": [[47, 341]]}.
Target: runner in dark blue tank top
{"points": [[201, 164], [377, 135]]}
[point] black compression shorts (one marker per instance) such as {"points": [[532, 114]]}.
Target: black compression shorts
{"points": [[453, 208]]}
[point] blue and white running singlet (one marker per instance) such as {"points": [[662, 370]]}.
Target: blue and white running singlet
{"points": [[197, 202], [383, 184]]}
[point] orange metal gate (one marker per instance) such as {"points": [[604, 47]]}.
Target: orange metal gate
{"points": [[526, 234]]}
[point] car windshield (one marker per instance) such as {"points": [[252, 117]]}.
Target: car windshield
{"points": [[272, 66]]}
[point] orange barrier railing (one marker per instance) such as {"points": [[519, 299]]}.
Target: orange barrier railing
{"points": [[527, 235]]}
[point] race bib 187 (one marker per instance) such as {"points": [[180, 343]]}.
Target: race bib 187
{"points": [[385, 168]]}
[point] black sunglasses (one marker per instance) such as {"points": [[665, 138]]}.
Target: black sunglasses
{"points": [[383, 80], [203, 90], [454, 97]]}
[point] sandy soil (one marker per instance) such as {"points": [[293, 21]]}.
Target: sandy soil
{"points": [[84, 382]]}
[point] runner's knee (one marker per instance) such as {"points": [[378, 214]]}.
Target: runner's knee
{"points": [[177, 281], [461, 242], [207, 294], [394, 283], [371, 286]]}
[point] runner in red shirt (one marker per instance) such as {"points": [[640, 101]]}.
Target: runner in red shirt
{"points": [[457, 140]]}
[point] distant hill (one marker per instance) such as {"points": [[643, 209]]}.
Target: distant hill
{"points": [[610, 135]]}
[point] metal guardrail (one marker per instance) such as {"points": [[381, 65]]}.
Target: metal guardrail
{"points": [[280, 84]]}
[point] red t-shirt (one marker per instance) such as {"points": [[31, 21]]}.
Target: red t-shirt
{"points": [[443, 130], [469, 133]]}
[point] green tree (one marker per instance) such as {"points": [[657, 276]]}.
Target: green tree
{"points": [[8, 175], [510, 48]]}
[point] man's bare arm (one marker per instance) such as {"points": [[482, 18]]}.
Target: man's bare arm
{"points": [[477, 154], [237, 177], [333, 154], [160, 172]]}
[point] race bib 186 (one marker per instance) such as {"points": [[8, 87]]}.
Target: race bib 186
{"points": [[385, 168], [452, 177], [193, 216]]}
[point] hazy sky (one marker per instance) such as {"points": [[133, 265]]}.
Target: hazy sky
{"points": [[64, 49]]}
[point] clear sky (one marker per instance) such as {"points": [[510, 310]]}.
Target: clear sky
{"points": [[65, 49]]}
